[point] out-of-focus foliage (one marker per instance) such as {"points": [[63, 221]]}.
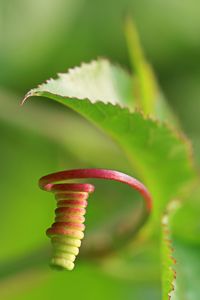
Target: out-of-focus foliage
{"points": [[38, 39]]}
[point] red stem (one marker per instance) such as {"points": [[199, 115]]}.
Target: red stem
{"points": [[47, 182]]}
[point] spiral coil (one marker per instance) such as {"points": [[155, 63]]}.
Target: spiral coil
{"points": [[67, 231]]}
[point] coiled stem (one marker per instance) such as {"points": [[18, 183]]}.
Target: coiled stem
{"points": [[67, 230]]}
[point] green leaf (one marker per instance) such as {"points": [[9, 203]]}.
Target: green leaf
{"points": [[188, 231], [146, 89], [187, 269], [180, 259], [168, 261], [98, 80], [185, 237], [160, 155]]}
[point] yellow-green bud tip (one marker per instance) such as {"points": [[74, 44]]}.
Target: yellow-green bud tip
{"points": [[60, 263]]}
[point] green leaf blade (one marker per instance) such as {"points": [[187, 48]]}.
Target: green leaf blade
{"points": [[168, 261], [159, 155], [149, 95], [98, 80]]}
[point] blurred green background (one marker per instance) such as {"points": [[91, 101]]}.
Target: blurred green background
{"points": [[38, 39]]}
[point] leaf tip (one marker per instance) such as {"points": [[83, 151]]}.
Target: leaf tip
{"points": [[30, 93]]}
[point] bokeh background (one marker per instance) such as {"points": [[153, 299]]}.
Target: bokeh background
{"points": [[38, 39]]}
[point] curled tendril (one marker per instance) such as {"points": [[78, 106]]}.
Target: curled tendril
{"points": [[66, 232]]}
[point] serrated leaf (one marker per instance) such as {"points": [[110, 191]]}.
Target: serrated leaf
{"points": [[98, 80], [159, 154], [185, 238], [187, 269], [180, 261], [168, 261]]}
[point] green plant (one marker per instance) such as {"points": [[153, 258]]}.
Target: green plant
{"points": [[148, 133]]}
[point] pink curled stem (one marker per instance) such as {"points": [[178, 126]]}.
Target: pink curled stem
{"points": [[67, 231], [48, 182]]}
